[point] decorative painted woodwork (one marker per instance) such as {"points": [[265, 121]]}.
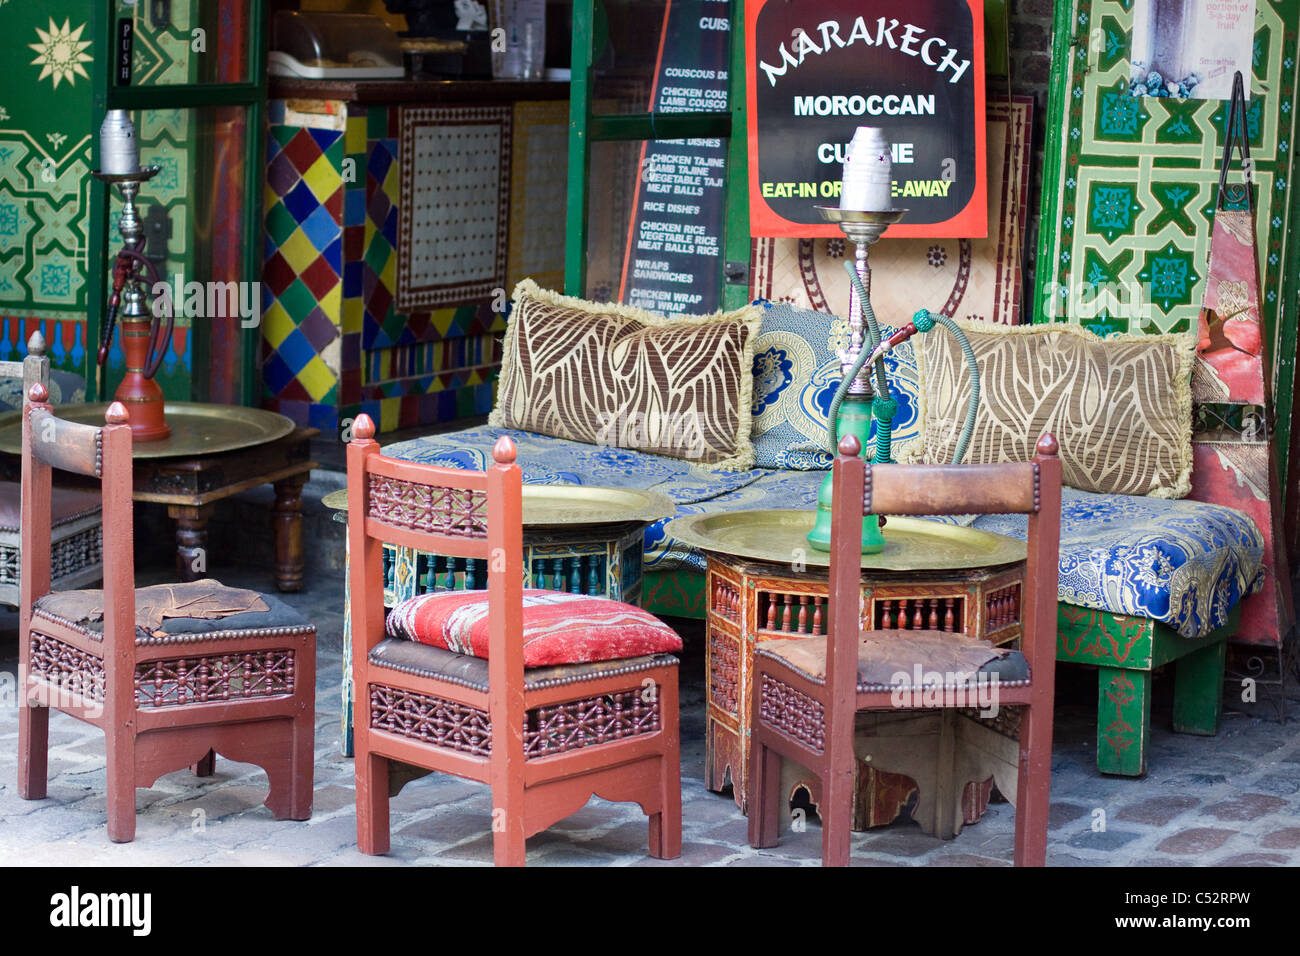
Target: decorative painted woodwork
{"points": [[1125, 651]]}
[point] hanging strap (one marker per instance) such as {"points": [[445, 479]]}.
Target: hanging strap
{"points": [[1237, 193]]}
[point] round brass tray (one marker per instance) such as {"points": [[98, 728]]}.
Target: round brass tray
{"points": [[911, 544], [548, 505], [197, 428]]}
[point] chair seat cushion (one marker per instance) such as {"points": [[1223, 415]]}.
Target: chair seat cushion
{"points": [[66, 504], [559, 628], [165, 611], [903, 659], [426, 661]]}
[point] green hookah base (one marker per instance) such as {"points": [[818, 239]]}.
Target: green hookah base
{"points": [[819, 538]]}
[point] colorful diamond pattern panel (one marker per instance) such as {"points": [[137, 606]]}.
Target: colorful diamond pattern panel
{"points": [[335, 343], [302, 276]]}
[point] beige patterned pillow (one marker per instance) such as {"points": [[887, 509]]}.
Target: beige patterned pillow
{"points": [[611, 374], [1120, 407]]}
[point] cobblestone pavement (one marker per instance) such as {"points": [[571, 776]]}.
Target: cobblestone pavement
{"points": [[1229, 800]]}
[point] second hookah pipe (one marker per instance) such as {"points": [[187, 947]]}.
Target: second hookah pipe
{"points": [[120, 165], [133, 267]]}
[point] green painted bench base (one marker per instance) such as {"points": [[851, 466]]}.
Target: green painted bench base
{"points": [[1125, 650]]}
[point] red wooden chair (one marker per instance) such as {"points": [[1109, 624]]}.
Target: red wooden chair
{"points": [[546, 738], [170, 673], [807, 692]]}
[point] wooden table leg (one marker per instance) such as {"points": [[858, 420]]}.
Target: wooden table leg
{"points": [[191, 539], [286, 519]]}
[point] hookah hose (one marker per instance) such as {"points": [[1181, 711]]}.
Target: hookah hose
{"points": [[128, 266], [884, 405]]}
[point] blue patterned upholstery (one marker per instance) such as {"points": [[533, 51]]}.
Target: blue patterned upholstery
{"points": [[1184, 563], [558, 461], [796, 373]]}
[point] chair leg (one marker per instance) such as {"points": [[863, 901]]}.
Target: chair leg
{"points": [[1198, 690], [304, 753], [121, 787], [206, 766], [1033, 788], [666, 825], [508, 840], [836, 810], [764, 797], [33, 750], [372, 802]]}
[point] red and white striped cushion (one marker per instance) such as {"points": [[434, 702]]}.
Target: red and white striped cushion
{"points": [[559, 628]]}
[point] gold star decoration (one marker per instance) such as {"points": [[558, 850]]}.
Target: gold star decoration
{"points": [[61, 53]]}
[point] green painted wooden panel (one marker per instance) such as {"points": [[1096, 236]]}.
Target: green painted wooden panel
{"points": [[1130, 183]]}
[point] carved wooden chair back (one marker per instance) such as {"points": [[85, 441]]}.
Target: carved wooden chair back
{"points": [[77, 541], [103, 452], [33, 368], [462, 514]]}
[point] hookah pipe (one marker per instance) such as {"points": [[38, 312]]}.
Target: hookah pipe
{"points": [[884, 406], [132, 266]]}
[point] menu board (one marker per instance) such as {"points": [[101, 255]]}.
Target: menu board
{"points": [[673, 258], [818, 69]]}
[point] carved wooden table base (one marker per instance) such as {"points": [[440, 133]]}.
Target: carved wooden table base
{"points": [[190, 487], [950, 766]]}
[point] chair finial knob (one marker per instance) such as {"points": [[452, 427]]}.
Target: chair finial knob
{"points": [[849, 445], [363, 428], [117, 414], [503, 452], [36, 344], [1047, 445], [38, 393]]}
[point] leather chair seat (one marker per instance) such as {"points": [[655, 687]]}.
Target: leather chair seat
{"points": [[169, 611], [888, 660]]}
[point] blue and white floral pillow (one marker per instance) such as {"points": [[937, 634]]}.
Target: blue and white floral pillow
{"points": [[66, 388], [796, 373]]}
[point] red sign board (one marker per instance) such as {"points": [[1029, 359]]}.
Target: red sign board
{"points": [[818, 69]]}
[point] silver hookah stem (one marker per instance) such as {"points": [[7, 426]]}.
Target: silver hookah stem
{"points": [[132, 231], [857, 322]]}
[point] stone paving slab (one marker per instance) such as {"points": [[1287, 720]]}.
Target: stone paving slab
{"points": [[1233, 799]]}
